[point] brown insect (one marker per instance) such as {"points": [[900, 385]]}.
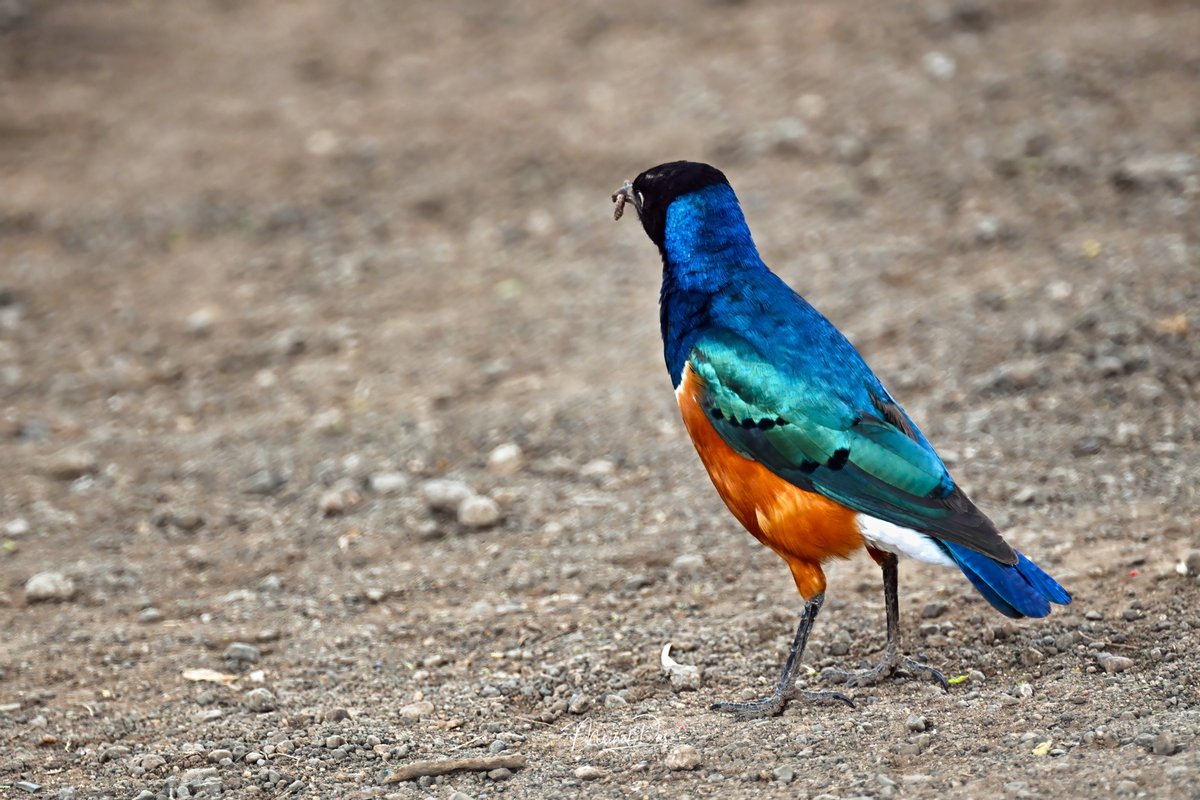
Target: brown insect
{"points": [[621, 196]]}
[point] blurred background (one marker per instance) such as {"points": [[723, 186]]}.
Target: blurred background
{"points": [[317, 336]]}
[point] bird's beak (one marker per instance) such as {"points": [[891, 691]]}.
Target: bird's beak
{"points": [[622, 196]]}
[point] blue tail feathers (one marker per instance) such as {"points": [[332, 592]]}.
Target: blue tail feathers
{"points": [[1017, 590]]}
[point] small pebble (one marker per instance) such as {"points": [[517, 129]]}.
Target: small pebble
{"points": [[579, 703], [152, 761], [336, 714], [688, 563], [505, 459], [784, 774], [240, 651], [589, 773], [49, 587], [443, 494], [338, 500], [683, 757], [1112, 664], [1164, 745], [219, 755], [69, 464], [916, 723], [933, 610], [150, 615], [260, 700], [598, 468], [388, 483], [500, 774], [615, 701], [478, 512], [200, 322], [939, 65], [422, 708]]}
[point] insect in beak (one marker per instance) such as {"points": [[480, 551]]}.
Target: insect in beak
{"points": [[623, 195]]}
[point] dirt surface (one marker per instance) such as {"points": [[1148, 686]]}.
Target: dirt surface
{"points": [[267, 269]]}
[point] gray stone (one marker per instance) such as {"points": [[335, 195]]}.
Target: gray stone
{"points": [[589, 773], [579, 703], [200, 322], [71, 463], [939, 65], [478, 512], [260, 700], [389, 483], [684, 757], [49, 587], [443, 494], [688, 563], [1164, 745], [506, 459], [422, 708], [152, 761], [148, 616], [197, 775], [1171, 170], [615, 701], [240, 651], [1113, 664], [784, 774], [916, 723]]}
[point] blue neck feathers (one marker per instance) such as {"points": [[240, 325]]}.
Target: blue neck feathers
{"points": [[706, 248]]}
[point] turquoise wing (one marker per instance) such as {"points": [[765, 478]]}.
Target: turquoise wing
{"points": [[848, 442]]}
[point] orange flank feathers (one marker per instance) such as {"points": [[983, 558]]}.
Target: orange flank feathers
{"points": [[803, 527]]}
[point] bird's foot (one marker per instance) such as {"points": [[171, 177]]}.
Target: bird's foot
{"points": [[772, 705], [890, 666]]}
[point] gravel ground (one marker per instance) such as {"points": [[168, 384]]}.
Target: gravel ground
{"points": [[334, 434]]}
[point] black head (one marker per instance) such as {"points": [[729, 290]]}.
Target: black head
{"points": [[652, 191]]}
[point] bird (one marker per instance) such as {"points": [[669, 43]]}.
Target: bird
{"points": [[803, 443]]}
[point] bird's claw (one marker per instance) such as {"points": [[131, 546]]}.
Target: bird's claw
{"points": [[772, 705], [885, 669]]}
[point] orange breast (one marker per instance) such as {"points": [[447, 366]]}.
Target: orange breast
{"points": [[803, 527]]}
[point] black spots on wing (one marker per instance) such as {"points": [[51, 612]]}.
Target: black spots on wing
{"points": [[838, 459], [749, 423], [808, 467]]}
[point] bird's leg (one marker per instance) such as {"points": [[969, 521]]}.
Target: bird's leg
{"points": [[773, 704], [892, 659]]}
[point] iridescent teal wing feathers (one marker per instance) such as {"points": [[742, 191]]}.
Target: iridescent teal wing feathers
{"points": [[824, 442]]}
